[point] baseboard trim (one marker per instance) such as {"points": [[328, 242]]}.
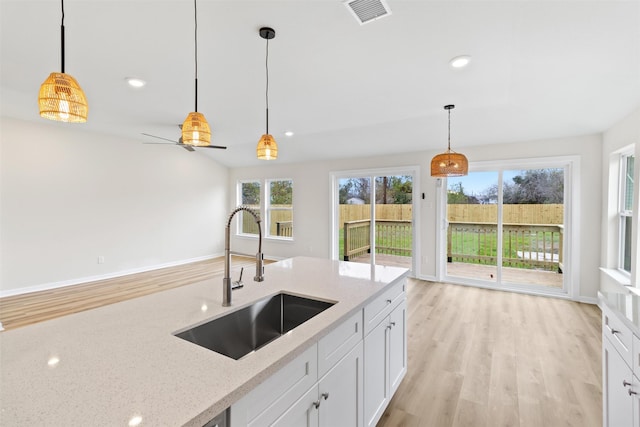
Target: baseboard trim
{"points": [[83, 280]]}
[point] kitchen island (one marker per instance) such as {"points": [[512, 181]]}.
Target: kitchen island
{"points": [[120, 364]]}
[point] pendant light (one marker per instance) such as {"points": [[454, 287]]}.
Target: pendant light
{"points": [[61, 98], [267, 148], [449, 163], [195, 129]]}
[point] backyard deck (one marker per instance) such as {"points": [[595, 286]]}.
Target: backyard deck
{"points": [[476, 271]]}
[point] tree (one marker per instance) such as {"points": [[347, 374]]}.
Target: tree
{"points": [[250, 193], [456, 196], [281, 192], [535, 186], [354, 188], [397, 189]]}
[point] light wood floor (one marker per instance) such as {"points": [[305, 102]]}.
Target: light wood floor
{"points": [[26, 309], [478, 357]]}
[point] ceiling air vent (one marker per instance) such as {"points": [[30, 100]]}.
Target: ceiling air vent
{"points": [[368, 10]]}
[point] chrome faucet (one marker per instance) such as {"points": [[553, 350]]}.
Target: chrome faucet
{"points": [[259, 277]]}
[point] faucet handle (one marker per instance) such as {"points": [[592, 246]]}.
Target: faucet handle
{"points": [[238, 283]]}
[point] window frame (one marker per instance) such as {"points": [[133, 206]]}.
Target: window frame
{"points": [[240, 201], [265, 208], [625, 215], [268, 209]]}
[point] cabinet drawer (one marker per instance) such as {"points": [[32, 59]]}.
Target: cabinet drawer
{"points": [[339, 342], [635, 362], [271, 399], [618, 334], [380, 308]]}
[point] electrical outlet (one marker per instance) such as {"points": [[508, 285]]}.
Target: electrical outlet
{"points": [[101, 259]]}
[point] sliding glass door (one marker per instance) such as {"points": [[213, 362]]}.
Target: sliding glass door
{"points": [[506, 227], [373, 217]]}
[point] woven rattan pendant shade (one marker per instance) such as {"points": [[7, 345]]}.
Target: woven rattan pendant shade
{"points": [[61, 98], [267, 148], [449, 163], [196, 130]]}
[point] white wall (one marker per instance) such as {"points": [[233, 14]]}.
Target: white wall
{"points": [[312, 199], [622, 134], [69, 196]]}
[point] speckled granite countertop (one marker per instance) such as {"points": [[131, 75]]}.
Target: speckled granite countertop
{"points": [[626, 305], [121, 361]]}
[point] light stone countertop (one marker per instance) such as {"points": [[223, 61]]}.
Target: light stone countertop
{"points": [[121, 361], [626, 305]]}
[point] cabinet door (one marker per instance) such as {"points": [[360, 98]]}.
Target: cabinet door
{"points": [[397, 346], [617, 403], [303, 413], [340, 392], [376, 374]]}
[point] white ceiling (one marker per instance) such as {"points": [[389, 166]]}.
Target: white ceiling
{"points": [[540, 69]]}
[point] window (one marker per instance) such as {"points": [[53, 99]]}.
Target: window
{"points": [[280, 208], [276, 207], [249, 196], [627, 161]]}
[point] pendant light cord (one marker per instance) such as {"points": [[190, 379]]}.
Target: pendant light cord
{"points": [[449, 138], [195, 9], [266, 95], [62, 38]]}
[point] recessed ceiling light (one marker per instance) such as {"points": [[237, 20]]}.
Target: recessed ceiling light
{"points": [[53, 361], [135, 421], [288, 133], [135, 82], [460, 61]]}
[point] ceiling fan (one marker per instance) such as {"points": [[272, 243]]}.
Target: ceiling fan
{"points": [[179, 142]]}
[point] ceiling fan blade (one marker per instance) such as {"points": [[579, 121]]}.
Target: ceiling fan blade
{"points": [[159, 137], [187, 147], [214, 146]]}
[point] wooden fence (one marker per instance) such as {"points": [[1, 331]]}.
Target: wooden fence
{"points": [[513, 214]]}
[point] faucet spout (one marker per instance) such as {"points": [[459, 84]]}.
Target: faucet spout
{"points": [[259, 277]]}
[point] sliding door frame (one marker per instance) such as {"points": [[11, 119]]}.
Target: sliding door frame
{"points": [[334, 216], [571, 246]]}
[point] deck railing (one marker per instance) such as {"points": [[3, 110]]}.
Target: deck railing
{"points": [[392, 237], [530, 246], [284, 228]]}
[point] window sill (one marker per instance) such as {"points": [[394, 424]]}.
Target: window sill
{"points": [[619, 277]]}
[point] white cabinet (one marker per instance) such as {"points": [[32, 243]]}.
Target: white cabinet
{"points": [[335, 401], [617, 403], [620, 365], [385, 364], [319, 387]]}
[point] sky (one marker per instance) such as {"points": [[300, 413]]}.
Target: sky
{"points": [[476, 182]]}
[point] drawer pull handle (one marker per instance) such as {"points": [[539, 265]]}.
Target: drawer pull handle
{"points": [[631, 392], [316, 404], [325, 396], [625, 383], [614, 331], [393, 324], [388, 301]]}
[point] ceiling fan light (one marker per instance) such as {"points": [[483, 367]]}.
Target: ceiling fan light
{"points": [[196, 130], [267, 148], [62, 99]]}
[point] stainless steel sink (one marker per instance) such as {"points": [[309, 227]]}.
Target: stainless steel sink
{"points": [[239, 333]]}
